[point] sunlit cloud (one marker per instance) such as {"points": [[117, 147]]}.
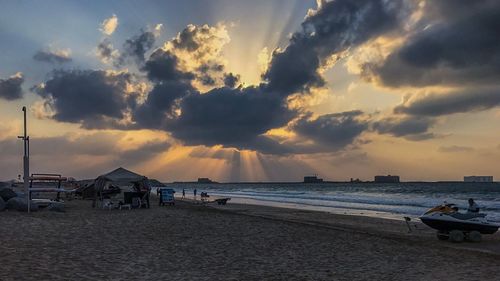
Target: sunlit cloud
{"points": [[109, 25], [52, 55]]}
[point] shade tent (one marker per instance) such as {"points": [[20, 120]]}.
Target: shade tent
{"points": [[123, 175], [116, 183]]}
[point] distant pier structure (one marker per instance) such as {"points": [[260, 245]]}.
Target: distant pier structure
{"points": [[387, 179], [478, 179], [312, 179]]}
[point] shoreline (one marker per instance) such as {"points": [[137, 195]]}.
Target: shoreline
{"points": [[317, 208], [385, 227]]}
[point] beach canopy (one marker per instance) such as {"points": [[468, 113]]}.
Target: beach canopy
{"points": [[123, 175], [121, 178]]}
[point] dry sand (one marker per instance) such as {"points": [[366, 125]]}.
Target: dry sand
{"points": [[233, 242]]}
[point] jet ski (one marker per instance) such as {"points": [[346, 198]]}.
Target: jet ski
{"points": [[457, 226]]}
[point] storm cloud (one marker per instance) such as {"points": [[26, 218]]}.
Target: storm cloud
{"points": [[409, 127], [335, 131], [180, 72], [434, 104], [331, 30], [137, 46], [86, 97], [231, 80], [240, 117], [107, 53], [230, 117], [51, 56], [10, 88], [170, 85], [456, 43], [160, 104], [164, 66]]}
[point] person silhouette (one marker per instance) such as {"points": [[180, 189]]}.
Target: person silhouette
{"points": [[473, 207], [194, 192]]}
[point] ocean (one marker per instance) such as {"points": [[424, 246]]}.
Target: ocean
{"points": [[369, 199]]}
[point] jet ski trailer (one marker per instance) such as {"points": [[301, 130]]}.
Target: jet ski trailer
{"points": [[456, 227]]}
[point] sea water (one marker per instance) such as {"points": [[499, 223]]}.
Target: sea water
{"points": [[392, 200]]}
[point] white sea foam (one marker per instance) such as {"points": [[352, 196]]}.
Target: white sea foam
{"points": [[410, 199]]}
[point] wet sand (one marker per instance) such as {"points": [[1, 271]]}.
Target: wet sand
{"points": [[233, 242]]}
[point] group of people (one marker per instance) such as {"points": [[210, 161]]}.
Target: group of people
{"points": [[195, 192]]}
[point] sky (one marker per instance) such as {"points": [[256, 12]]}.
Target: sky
{"points": [[252, 90]]}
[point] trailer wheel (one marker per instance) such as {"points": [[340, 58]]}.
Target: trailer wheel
{"points": [[442, 235], [456, 236], [474, 236]]}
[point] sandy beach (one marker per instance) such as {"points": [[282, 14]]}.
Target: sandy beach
{"points": [[233, 242]]}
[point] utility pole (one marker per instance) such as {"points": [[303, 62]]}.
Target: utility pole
{"points": [[26, 161]]}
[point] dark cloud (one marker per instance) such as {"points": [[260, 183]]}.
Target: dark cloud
{"points": [[170, 85], [335, 131], [86, 97], [163, 66], [52, 56], [10, 88], [230, 117], [191, 38], [452, 102], [223, 116], [105, 49], [240, 117], [207, 80], [336, 27], [208, 72], [107, 53], [455, 148], [294, 70], [412, 128], [230, 80], [137, 46], [456, 44], [212, 66], [160, 104]]}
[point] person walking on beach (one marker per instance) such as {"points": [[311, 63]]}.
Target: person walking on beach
{"points": [[473, 207], [194, 193], [183, 193]]}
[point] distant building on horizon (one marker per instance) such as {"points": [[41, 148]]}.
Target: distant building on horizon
{"points": [[478, 179], [312, 179], [387, 179], [205, 180]]}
